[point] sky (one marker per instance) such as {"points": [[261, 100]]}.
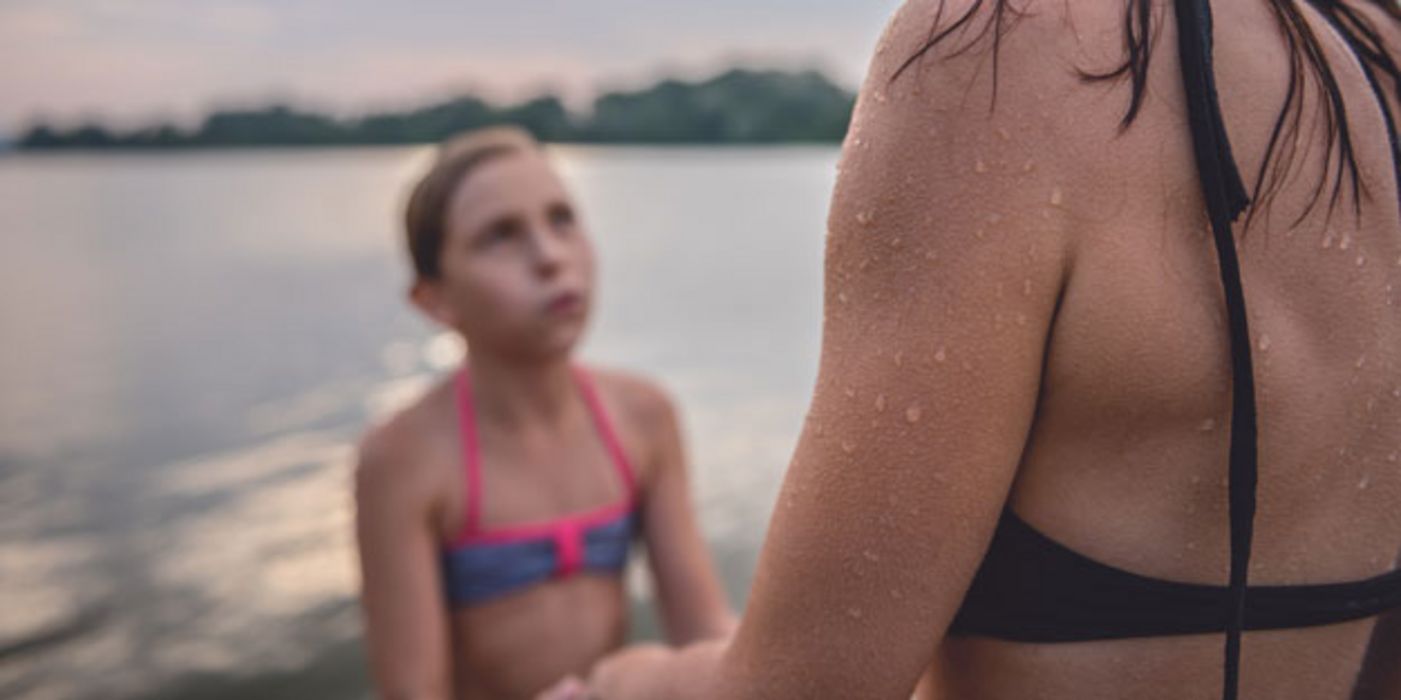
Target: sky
{"points": [[131, 62]]}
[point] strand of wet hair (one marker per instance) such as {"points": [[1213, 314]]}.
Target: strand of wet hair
{"points": [[1307, 63]]}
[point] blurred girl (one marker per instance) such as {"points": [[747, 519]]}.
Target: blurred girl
{"points": [[495, 514]]}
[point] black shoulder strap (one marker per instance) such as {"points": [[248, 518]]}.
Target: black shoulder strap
{"points": [[1225, 199]]}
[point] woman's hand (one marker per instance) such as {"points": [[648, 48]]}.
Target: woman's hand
{"points": [[625, 673], [568, 688], [617, 676]]}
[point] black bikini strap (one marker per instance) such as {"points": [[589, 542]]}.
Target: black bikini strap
{"points": [[1225, 199]]}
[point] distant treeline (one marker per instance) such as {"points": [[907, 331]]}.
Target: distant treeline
{"points": [[739, 106]]}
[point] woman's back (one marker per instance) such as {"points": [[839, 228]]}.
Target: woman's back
{"points": [[1126, 458]]}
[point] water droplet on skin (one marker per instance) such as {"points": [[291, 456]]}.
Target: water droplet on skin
{"points": [[1396, 393], [979, 233], [940, 356], [1361, 261], [854, 613], [1004, 134], [1391, 457], [865, 218], [841, 297], [1028, 166], [1057, 196], [870, 556], [1365, 481], [979, 166], [1021, 319], [1360, 361], [1264, 343], [895, 242], [1327, 240], [880, 403], [900, 358], [1026, 287], [848, 447], [1371, 405], [913, 414], [1345, 243], [1207, 425], [931, 255], [865, 263]]}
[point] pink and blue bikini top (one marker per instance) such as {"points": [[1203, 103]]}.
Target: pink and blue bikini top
{"points": [[480, 564]]}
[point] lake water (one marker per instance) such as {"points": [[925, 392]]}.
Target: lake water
{"points": [[192, 342]]}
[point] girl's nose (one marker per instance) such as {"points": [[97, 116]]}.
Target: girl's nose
{"points": [[548, 250]]}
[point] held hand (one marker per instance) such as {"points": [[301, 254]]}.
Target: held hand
{"points": [[623, 675], [568, 688]]}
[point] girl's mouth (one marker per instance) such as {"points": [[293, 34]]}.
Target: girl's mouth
{"points": [[565, 304]]}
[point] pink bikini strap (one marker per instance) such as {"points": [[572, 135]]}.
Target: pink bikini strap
{"points": [[605, 429], [471, 452], [471, 455]]}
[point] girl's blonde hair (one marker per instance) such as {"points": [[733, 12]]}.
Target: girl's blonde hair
{"points": [[425, 217]]}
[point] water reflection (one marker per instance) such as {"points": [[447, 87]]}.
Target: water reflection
{"points": [[194, 341]]}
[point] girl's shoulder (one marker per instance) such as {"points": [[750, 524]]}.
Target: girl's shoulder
{"points": [[641, 411], [641, 397], [400, 457]]}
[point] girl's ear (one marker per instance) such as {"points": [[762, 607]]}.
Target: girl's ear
{"points": [[428, 296]]}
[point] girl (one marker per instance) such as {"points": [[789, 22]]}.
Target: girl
{"points": [[495, 514]]}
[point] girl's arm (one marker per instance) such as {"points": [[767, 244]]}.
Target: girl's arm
{"points": [[405, 616], [691, 600], [945, 261]]}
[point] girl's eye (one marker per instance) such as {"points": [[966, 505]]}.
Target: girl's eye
{"points": [[501, 232], [561, 217]]}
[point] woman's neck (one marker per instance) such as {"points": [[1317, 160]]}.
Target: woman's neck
{"points": [[517, 393]]}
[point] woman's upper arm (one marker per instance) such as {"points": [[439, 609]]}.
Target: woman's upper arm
{"points": [[945, 260], [1380, 677], [691, 599], [405, 616]]}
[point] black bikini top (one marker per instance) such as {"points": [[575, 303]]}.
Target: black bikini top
{"points": [[1031, 588]]}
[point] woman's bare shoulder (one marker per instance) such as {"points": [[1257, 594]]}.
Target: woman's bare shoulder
{"points": [[1004, 78]]}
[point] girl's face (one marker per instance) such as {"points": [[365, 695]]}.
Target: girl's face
{"points": [[517, 269]]}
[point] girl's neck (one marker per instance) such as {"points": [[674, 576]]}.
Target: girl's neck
{"points": [[516, 394]]}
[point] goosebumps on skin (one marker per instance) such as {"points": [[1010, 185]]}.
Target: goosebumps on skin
{"points": [[1023, 308]]}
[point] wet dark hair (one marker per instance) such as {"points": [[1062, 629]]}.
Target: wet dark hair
{"points": [[1307, 61]]}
